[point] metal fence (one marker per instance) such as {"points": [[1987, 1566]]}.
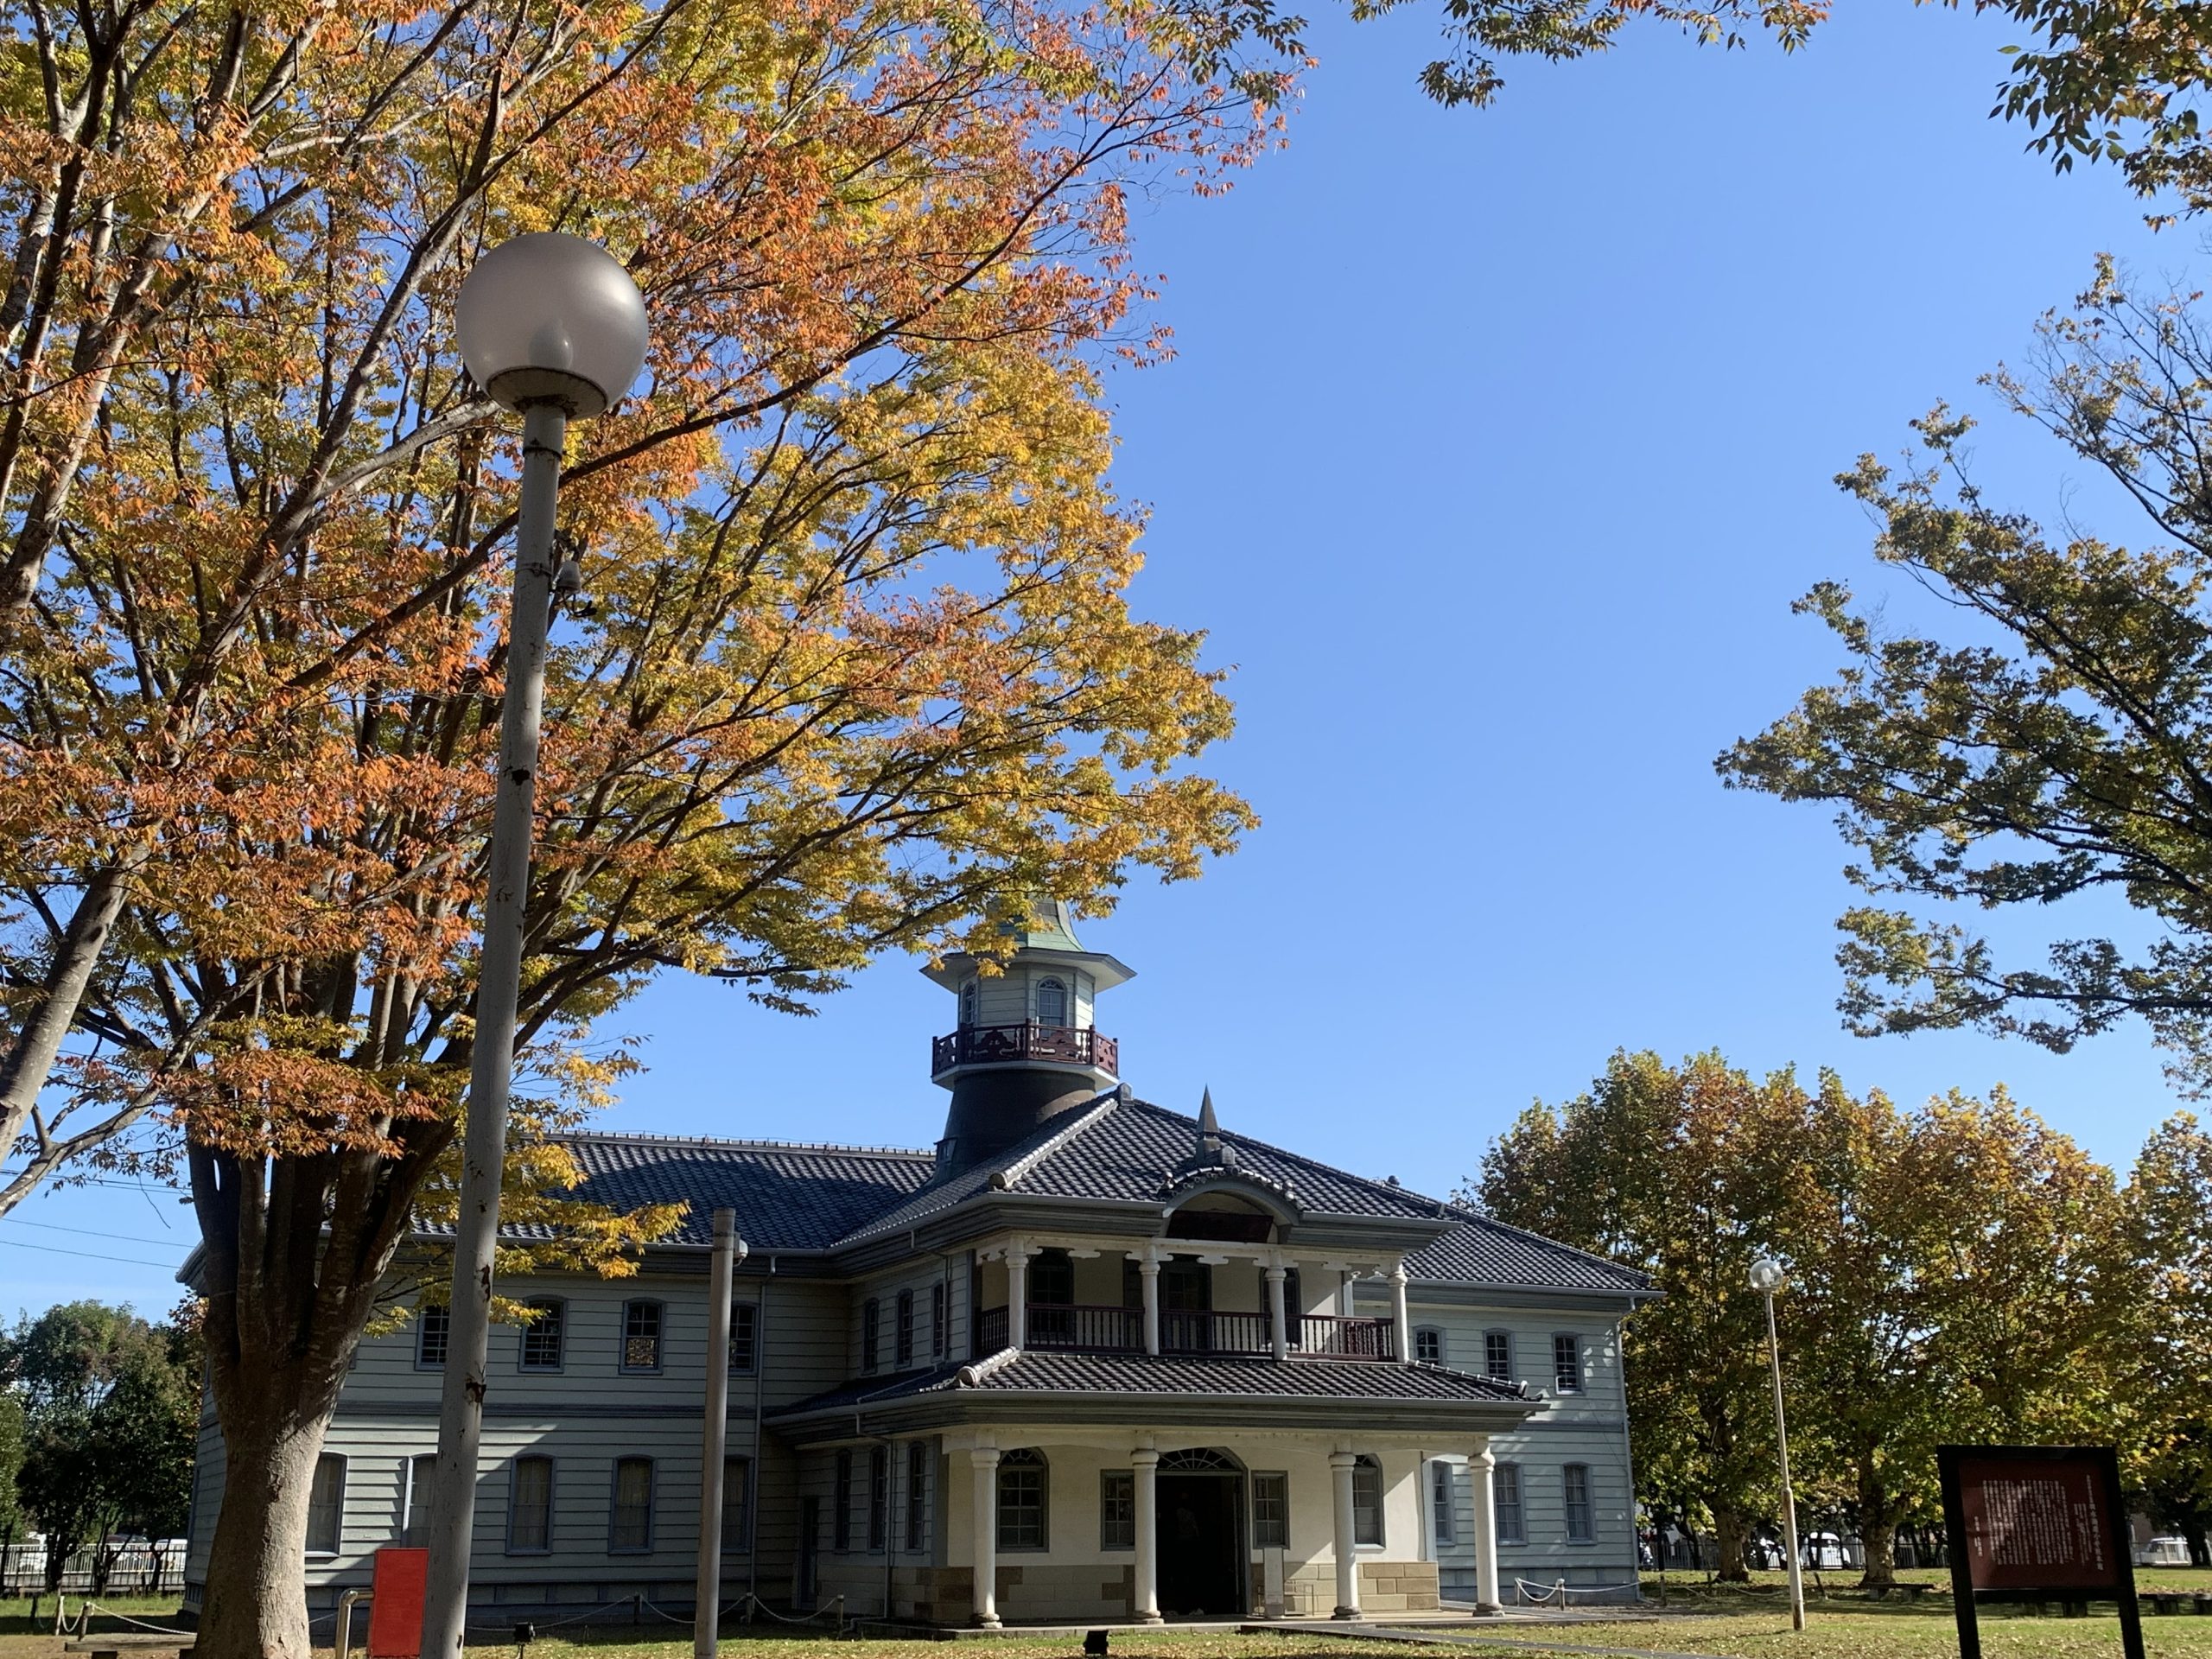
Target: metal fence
{"points": [[133, 1567]]}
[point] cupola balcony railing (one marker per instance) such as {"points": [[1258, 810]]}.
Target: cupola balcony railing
{"points": [[1060, 1045], [1077, 1328]]}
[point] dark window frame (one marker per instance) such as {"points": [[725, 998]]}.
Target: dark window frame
{"points": [[557, 1308], [1014, 1466], [871, 1333], [841, 1504], [939, 1301], [1067, 1002], [432, 1318], [415, 1497], [335, 1509], [902, 1330], [1588, 1504], [1431, 1337], [879, 1498], [614, 1505], [1512, 1513], [744, 1338], [514, 1503], [917, 1495], [737, 1539], [635, 1305], [1498, 1368]]}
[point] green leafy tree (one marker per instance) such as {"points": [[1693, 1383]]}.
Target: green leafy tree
{"points": [[11, 1464], [2169, 1360], [1679, 1171], [2055, 747], [109, 1407]]}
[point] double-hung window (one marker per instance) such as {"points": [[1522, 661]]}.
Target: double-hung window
{"points": [[641, 1322], [744, 1337], [529, 1506], [737, 1509], [1367, 1501], [903, 1337], [327, 1505], [421, 1473], [1117, 1509], [841, 1504], [1440, 1504], [631, 1527], [433, 1328], [1505, 1492], [1566, 1363], [1429, 1345], [879, 1495], [1270, 1512], [918, 1494], [543, 1337], [871, 1334], [937, 1321], [1497, 1356], [1581, 1522], [1021, 1500]]}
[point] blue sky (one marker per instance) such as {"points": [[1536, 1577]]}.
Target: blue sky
{"points": [[1496, 447]]}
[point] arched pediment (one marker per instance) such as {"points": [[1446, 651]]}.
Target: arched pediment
{"points": [[1275, 1199]]}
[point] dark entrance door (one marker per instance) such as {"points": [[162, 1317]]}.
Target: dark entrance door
{"points": [[1201, 1544]]}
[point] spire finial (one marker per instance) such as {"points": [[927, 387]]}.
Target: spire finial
{"points": [[1207, 1125]]}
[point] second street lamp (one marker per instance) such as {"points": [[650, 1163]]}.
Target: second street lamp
{"points": [[550, 326], [1767, 1277]]}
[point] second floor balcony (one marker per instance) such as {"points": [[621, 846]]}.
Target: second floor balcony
{"points": [[1114, 1330], [1014, 1044]]}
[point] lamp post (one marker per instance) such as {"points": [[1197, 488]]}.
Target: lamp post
{"points": [[1767, 1277], [549, 325]]}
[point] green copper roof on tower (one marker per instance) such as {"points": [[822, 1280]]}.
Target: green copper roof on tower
{"points": [[1051, 926]]}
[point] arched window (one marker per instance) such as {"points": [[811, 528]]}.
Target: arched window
{"points": [[968, 1003], [1021, 1500], [1051, 1002], [1367, 1501]]}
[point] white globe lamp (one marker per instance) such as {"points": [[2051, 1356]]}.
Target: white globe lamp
{"points": [[550, 318]]}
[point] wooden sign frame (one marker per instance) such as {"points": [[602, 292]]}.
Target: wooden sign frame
{"points": [[1955, 1468]]}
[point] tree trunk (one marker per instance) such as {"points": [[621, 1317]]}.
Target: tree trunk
{"points": [[1879, 1512], [256, 1605], [1730, 1536]]}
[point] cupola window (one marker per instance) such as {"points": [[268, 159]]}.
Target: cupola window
{"points": [[1051, 1002], [968, 1003]]}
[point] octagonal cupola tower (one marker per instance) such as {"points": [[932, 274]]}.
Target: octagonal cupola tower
{"points": [[1024, 1049]]}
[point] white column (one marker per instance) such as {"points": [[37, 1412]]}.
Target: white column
{"points": [[707, 1597], [1340, 1468], [1017, 1295], [1144, 1463], [1400, 1321], [986, 1527], [1482, 1466], [1276, 1274], [1148, 1271]]}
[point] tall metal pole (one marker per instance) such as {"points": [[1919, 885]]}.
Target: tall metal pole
{"points": [[461, 1412], [1788, 1496], [707, 1600]]}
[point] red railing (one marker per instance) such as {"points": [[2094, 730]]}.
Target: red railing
{"points": [[990, 1333], [994, 1044], [1099, 1329], [1183, 1331]]}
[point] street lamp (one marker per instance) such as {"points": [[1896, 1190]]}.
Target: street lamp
{"points": [[550, 326], [1767, 1277]]}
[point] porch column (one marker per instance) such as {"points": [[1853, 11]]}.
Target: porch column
{"points": [[1340, 1468], [1144, 1463], [1482, 1466], [986, 1552], [1017, 1295], [1276, 1274], [1401, 1324], [1148, 1271]]}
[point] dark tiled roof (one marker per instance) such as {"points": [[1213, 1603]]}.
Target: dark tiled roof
{"points": [[1129, 1150], [1032, 1372], [788, 1197], [1480, 1251]]}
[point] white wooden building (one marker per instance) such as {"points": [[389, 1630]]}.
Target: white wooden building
{"points": [[1087, 1360]]}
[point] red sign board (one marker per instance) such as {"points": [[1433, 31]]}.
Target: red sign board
{"points": [[396, 1614], [2036, 1522]]}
